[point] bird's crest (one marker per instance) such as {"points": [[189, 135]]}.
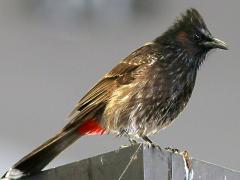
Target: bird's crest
{"points": [[189, 22], [191, 18]]}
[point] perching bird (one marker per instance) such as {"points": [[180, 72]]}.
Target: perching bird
{"points": [[140, 96]]}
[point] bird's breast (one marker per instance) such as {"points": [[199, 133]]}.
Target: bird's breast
{"points": [[150, 104]]}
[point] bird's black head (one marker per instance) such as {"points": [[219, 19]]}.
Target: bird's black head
{"points": [[190, 34]]}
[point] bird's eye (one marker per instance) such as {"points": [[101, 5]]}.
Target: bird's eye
{"points": [[197, 37]]}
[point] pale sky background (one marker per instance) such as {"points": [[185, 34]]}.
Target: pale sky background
{"points": [[53, 51]]}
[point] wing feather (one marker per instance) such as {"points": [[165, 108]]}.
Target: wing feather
{"points": [[98, 96]]}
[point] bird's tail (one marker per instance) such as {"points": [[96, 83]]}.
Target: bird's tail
{"points": [[41, 156]]}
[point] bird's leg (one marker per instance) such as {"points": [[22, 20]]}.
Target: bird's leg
{"points": [[150, 142], [130, 139], [146, 139], [153, 144]]}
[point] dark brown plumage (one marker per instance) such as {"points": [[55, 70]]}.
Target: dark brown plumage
{"points": [[142, 95]]}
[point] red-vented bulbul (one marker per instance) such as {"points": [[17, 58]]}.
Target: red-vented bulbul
{"points": [[140, 96]]}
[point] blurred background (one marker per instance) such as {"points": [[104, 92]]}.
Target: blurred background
{"points": [[53, 51]]}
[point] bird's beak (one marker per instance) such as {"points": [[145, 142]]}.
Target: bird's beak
{"points": [[215, 43]]}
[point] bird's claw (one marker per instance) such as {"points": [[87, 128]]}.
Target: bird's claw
{"points": [[132, 142], [153, 145], [124, 146], [173, 150]]}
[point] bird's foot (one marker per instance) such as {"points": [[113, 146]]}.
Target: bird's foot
{"points": [[132, 143], [124, 146], [150, 143], [154, 145], [130, 139]]}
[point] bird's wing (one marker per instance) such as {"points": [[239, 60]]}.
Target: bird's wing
{"points": [[98, 96]]}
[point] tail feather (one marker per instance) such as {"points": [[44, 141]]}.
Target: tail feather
{"points": [[41, 156]]}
